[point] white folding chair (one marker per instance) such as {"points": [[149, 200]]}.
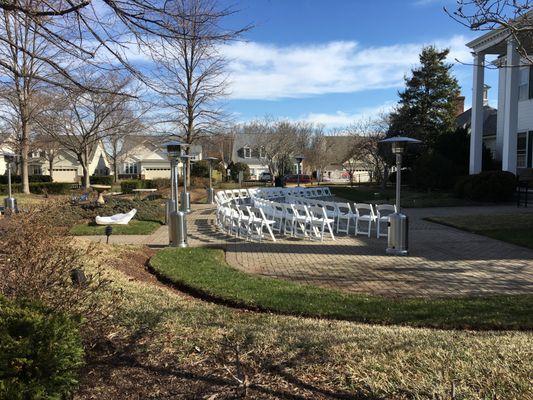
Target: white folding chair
{"points": [[259, 222], [364, 213], [344, 213], [383, 212], [320, 221], [290, 219], [302, 219]]}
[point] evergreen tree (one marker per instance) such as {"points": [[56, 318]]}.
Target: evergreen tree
{"points": [[426, 109]]}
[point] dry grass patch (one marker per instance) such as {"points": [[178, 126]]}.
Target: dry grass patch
{"points": [[166, 345]]}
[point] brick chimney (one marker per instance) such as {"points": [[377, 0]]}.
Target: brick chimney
{"points": [[459, 105]]}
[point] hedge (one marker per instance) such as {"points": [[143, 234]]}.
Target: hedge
{"points": [[41, 353], [18, 179], [39, 188], [127, 186], [490, 186], [101, 180]]}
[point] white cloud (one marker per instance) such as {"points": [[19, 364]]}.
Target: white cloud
{"points": [[268, 72]]}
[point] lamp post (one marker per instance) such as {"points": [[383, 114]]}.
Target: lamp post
{"points": [[176, 220], [398, 230], [10, 203], [210, 191], [299, 160], [185, 196]]}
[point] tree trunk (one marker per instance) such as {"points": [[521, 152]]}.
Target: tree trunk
{"points": [[115, 171], [86, 182], [24, 152]]}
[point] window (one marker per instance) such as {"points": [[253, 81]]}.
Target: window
{"points": [[521, 150], [523, 84], [131, 168], [261, 152], [247, 152], [35, 170]]}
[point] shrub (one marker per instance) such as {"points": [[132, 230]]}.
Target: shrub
{"points": [[18, 179], [41, 352], [199, 182], [36, 261], [200, 169], [39, 188], [433, 171], [101, 180], [235, 168], [160, 183], [127, 186], [487, 186], [147, 210]]}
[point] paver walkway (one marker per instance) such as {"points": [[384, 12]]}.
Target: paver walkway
{"points": [[443, 261]]}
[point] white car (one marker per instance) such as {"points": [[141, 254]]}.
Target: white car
{"points": [[265, 177]]}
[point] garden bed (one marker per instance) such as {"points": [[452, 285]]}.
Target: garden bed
{"points": [[135, 227]]}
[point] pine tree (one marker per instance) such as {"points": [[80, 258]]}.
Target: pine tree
{"points": [[426, 108]]}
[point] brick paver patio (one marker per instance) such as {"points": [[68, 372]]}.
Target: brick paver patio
{"points": [[443, 261]]}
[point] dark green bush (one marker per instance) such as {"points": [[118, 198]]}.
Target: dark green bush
{"points": [[433, 171], [235, 168], [101, 180], [491, 186], [41, 352], [18, 179], [39, 188], [127, 186], [200, 169]]}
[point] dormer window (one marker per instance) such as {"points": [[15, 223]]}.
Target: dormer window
{"points": [[247, 152]]}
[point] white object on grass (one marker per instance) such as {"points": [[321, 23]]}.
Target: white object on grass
{"points": [[117, 219]]}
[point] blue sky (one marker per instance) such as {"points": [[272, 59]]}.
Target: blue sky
{"points": [[336, 61]]}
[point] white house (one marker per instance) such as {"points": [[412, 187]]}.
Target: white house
{"points": [[144, 156], [513, 142], [247, 150]]}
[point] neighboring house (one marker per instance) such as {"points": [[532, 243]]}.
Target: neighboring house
{"points": [[144, 156], [513, 143], [490, 122], [3, 148], [65, 165], [338, 168], [247, 150]]}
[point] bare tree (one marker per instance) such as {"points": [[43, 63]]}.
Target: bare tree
{"points": [[515, 16], [22, 51], [191, 69], [81, 118]]}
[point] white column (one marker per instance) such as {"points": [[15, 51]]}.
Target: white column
{"points": [[510, 116], [476, 134], [502, 70]]}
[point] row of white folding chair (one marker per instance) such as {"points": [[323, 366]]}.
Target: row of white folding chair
{"points": [[244, 221]]}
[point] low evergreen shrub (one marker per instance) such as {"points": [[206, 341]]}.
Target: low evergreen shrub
{"points": [[492, 186], [101, 180], [41, 352]]}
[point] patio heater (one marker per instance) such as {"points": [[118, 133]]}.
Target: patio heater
{"points": [[210, 190], [299, 160], [398, 230], [185, 196], [10, 203], [176, 220]]}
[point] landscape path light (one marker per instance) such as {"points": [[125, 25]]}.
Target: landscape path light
{"points": [[398, 229], [299, 160]]}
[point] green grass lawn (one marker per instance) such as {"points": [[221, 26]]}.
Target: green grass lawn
{"points": [[512, 228], [410, 198], [204, 272], [135, 227]]}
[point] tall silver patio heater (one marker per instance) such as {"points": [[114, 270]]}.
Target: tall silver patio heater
{"points": [[210, 190], [176, 220], [185, 195], [10, 203], [398, 230], [299, 160]]}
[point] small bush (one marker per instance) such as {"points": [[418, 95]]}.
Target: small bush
{"points": [[101, 180], [127, 186], [39, 188], [41, 352], [433, 171], [199, 182], [235, 168], [160, 183], [200, 169], [31, 178], [491, 186]]}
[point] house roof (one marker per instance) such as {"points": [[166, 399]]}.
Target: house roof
{"points": [[155, 141], [490, 120], [241, 141]]}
